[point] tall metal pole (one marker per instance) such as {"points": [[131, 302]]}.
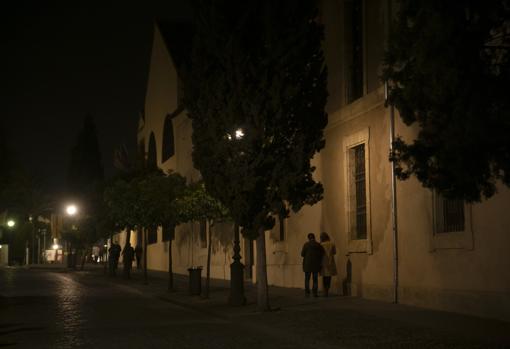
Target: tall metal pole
{"points": [[44, 244], [394, 221], [39, 249]]}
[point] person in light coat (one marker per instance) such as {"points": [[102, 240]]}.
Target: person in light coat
{"points": [[328, 269]]}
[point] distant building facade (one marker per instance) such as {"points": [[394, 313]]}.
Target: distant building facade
{"points": [[450, 255]]}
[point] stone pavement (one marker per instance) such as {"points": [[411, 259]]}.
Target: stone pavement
{"points": [[335, 321]]}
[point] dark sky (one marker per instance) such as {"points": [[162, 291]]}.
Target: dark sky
{"points": [[61, 61]]}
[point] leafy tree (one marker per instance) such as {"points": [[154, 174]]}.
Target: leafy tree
{"points": [[448, 70], [146, 199], [124, 210], [159, 195], [256, 93], [198, 205], [121, 197]]}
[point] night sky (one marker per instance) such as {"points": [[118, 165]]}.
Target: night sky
{"points": [[61, 61]]}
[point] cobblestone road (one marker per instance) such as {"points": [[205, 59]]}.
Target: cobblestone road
{"points": [[60, 309]]}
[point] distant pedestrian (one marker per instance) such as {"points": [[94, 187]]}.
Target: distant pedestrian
{"points": [[312, 254], [138, 255], [328, 262], [128, 254], [114, 255]]}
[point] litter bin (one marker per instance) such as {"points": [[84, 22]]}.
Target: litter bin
{"points": [[195, 280]]}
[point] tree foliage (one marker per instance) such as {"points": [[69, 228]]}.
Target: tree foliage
{"points": [[256, 93], [197, 204], [159, 194], [448, 68], [145, 199]]}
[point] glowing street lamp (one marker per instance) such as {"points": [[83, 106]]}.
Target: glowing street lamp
{"points": [[11, 223], [239, 133], [71, 210]]}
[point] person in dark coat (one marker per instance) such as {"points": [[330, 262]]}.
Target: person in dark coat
{"points": [[128, 254], [138, 255], [114, 258], [312, 254]]}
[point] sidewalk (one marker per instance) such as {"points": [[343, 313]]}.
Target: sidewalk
{"points": [[353, 322]]}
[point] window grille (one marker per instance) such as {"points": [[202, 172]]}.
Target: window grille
{"points": [[450, 215], [358, 204]]}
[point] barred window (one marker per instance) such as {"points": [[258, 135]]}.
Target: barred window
{"points": [[358, 200], [450, 216]]}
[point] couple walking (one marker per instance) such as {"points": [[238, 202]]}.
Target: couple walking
{"points": [[318, 257]]}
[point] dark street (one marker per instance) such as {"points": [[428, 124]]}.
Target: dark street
{"points": [[71, 310], [61, 309]]}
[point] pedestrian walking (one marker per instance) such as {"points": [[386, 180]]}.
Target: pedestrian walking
{"points": [[328, 269], [138, 255], [128, 254], [114, 255], [312, 254]]}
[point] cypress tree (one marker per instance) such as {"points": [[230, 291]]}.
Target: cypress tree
{"points": [[256, 93]]}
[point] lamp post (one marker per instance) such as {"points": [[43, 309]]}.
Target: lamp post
{"points": [[31, 220], [236, 296], [4, 249], [71, 211]]}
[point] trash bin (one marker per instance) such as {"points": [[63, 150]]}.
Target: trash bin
{"points": [[195, 280]]}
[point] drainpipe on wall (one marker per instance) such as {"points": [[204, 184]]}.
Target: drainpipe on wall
{"points": [[393, 199]]}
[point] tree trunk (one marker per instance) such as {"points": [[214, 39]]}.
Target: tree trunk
{"points": [[105, 261], [108, 264], [145, 279], [262, 289], [208, 271], [84, 254], [170, 267], [128, 236]]}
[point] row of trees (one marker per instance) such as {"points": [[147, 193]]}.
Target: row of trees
{"points": [[147, 199]]}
